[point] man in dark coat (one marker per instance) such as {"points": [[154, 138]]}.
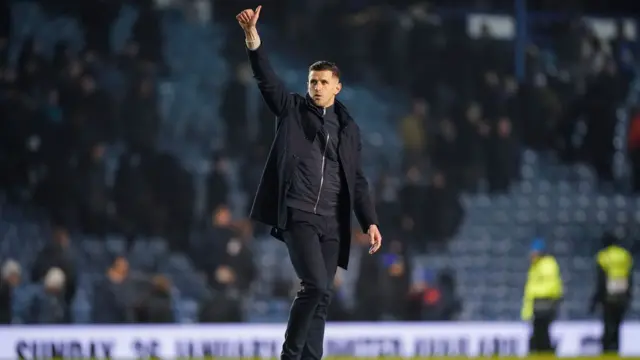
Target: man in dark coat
{"points": [[312, 182]]}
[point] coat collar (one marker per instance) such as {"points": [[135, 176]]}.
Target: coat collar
{"points": [[344, 117]]}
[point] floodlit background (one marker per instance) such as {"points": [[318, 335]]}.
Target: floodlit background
{"points": [[132, 139]]}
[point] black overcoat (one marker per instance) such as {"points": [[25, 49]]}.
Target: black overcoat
{"points": [[296, 127]]}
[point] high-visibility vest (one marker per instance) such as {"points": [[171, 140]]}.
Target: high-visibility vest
{"points": [[543, 282], [617, 264]]}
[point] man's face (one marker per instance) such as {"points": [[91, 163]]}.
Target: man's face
{"points": [[88, 84], [439, 181], [13, 279], [121, 266], [420, 108], [323, 87], [53, 290], [97, 152], [222, 217], [534, 256], [132, 49], [61, 236]]}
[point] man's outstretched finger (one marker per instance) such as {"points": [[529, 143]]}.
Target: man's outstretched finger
{"points": [[373, 247], [376, 247]]}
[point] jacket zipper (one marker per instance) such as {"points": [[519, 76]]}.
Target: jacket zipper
{"points": [[324, 154]]}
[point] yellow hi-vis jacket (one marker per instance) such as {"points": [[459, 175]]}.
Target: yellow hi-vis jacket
{"points": [[543, 282], [617, 264]]}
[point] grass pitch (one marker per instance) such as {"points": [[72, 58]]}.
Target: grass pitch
{"points": [[532, 357]]}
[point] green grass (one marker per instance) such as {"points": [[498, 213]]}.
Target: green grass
{"points": [[538, 357], [532, 357]]}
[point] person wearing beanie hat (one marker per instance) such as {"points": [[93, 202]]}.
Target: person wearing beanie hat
{"points": [[538, 246], [47, 306], [542, 295], [55, 279]]}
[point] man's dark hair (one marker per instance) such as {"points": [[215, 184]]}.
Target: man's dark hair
{"points": [[325, 66]]}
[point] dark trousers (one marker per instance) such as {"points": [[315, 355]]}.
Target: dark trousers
{"points": [[612, 316], [313, 244], [540, 341]]}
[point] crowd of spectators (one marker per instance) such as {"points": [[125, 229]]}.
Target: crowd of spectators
{"points": [[60, 115], [467, 124]]}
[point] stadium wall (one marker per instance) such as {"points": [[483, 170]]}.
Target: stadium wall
{"points": [[263, 340]]}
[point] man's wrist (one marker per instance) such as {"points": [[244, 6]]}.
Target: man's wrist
{"points": [[251, 38], [250, 31], [251, 34]]}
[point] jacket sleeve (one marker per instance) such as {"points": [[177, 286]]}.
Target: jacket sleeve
{"points": [[363, 206], [600, 290], [271, 87]]}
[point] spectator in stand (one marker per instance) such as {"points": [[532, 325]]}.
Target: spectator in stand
{"points": [[412, 202], [174, 195], [542, 113], [423, 298], [97, 19], [92, 116], [444, 213], [387, 201], [236, 261], [471, 130], [633, 147], [140, 116], [446, 153], [5, 31], [413, 131], [10, 275], [368, 268], [132, 194], [218, 186], [600, 103], [338, 310], [58, 254], [127, 61], [49, 306], [624, 54], [501, 146], [234, 109], [93, 195], [229, 280], [113, 296], [393, 284], [156, 306], [210, 244], [147, 32], [450, 304]]}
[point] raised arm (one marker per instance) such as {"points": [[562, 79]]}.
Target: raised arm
{"points": [[273, 91]]}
